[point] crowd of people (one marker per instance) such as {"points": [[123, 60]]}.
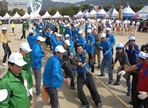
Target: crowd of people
{"points": [[74, 53]]}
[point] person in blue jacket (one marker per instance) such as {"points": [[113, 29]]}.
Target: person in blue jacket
{"points": [[32, 40], [36, 62], [68, 30], [80, 40], [90, 42], [75, 33], [52, 76], [110, 37], [107, 57], [84, 77]]}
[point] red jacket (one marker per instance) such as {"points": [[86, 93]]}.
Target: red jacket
{"points": [[142, 81]]}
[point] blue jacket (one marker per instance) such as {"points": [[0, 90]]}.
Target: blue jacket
{"points": [[71, 47], [46, 34], [56, 43], [81, 41], [52, 76], [111, 39], [68, 31], [90, 48], [32, 40], [106, 47], [36, 57], [132, 53]]}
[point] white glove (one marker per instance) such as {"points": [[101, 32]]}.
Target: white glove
{"points": [[121, 73], [143, 95]]}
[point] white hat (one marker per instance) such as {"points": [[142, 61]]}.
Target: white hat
{"points": [[141, 55], [102, 35], [120, 45], [67, 42], [17, 59], [80, 32], [40, 38], [67, 36], [4, 28], [68, 25], [25, 47], [40, 30], [55, 33], [132, 38], [30, 31], [89, 31], [60, 49], [59, 35], [108, 29]]}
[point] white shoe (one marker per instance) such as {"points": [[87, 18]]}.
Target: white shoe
{"points": [[3, 64]]}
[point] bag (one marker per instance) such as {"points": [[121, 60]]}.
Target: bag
{"points": [[44, 94]]}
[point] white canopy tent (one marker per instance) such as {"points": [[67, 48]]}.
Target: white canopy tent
{"points": [[128, 12], [26, 16], [1, 17], [79, 14], [114, 13], [34, 16], [57, 15], [92, 13], [101, 13], [86, 14], [46, 15], [6, 17], [15, 17], [143, 13]]}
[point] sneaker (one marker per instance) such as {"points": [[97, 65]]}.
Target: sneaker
{"points": [[99, 105], [128, 93], [85, 106], [101, 75], [116, 83], [3, 64], [110, 82]]}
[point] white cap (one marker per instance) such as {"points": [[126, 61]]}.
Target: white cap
{"points": [[67, 36], [120, 45], [80, 32], [4, 28], [30, 31], [102, 35], [40, 30], [17, 59], [89, 31], [67, 42], [40, 38], [68, 25], [59, 35], [132, 38], [25, 47], [142, 55], [60, 49], [55, 33], [108, 29]]}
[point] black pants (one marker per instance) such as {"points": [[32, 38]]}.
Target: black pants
{"points": [[53, 94], [7, 52], [12, 30], [70, 72], [48, 42], [90, 85], [23, 35], [91, 63], [137, 102]]}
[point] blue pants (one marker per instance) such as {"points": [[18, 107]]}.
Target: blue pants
{"points": [[107, 62]]}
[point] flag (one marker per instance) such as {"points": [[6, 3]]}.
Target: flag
{"points": [[120, 12], [36, 6]]}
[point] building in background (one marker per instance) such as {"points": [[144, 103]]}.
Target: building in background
{"points": [[20, 4], [3, 5]]}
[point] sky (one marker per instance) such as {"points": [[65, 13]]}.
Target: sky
{"points": [[66, 1]]}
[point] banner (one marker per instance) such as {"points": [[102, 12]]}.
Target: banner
{"points": [[111, 11], [121, 12], [36, 6]]}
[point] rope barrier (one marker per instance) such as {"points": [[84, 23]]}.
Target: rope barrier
{"points": [[109, 90]]}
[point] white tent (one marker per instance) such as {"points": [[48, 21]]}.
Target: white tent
{"points": [[86, 14], [34, 16], [114, 13], [142, 14], [128, 12], [101, 13], [15, 17], [46, 15], [1, 17], [26, 16], [6, 17], [57, 15], [92, 13], [79, 14]]}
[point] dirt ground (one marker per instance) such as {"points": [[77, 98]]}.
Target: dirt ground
{"points": [[67, 97]]}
